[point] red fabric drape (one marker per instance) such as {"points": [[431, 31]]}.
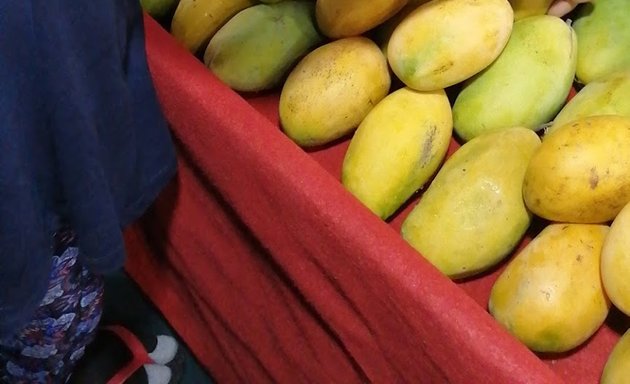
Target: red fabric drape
{"points": [[272, 272]]}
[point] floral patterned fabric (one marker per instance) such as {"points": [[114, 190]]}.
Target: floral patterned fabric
{"points": [[49, 346]]}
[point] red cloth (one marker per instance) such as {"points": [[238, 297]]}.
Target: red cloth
{"points": [[272, 272]]}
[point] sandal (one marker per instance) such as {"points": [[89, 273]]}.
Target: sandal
{"points": [[118, 356]]}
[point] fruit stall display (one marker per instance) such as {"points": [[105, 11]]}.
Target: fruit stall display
{"points": [[425, 191]]}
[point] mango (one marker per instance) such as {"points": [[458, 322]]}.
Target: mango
{"points": [[256, 48], [472, 214], [160, 10], [525, 86], [196, 21], [550, 295], [581, 172], [526, 8], [331, 90], [444, 42], [345, 18], [616, 261], [383, 32], [609, 95], [603, 34], [617, 368], [397, 148]]}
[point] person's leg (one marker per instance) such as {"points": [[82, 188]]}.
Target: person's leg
{"points": [[49, 346]]}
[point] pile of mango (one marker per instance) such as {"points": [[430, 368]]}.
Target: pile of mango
{"points": [[404, 79]]}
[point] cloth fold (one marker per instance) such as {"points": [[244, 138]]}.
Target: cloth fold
{"points": [[272, 272]]}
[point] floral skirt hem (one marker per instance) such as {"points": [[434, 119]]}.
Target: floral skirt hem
{"points": [[47, 348]]}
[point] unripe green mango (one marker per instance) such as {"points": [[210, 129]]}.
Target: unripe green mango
{"points": [[473, 214], [609, 95], [160, 10], [603, 32], [525, 86], [397, 147], [256, 48]]}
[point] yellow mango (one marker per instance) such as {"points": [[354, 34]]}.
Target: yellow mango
{"points": [[609, 95], [384, 31], [525, 8], [581, 172], [397, 148], [345, 18], [603, 34], [525, 86], [616, 261], [256, 48], [196, 21], [617, 368], [331, 90], [443, 42], [472, 214], [550, 295]]}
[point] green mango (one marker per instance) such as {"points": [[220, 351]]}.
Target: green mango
{"points": [[609, 95], [159, 9], [525, 86], [256, 48], [472, 215], [397, 147], [603, 34]]}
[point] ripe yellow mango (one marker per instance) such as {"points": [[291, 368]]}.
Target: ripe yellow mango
{"points": [[525, 8], [472, 214], [609, 95], [383, 32], [444, 42], [196, 21], [331, 90], [603, 33], [256, 48], [550, 295], [617, 368], [581, 172], [345, 18], [397, 148], [616, 261], [525, 86]]}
